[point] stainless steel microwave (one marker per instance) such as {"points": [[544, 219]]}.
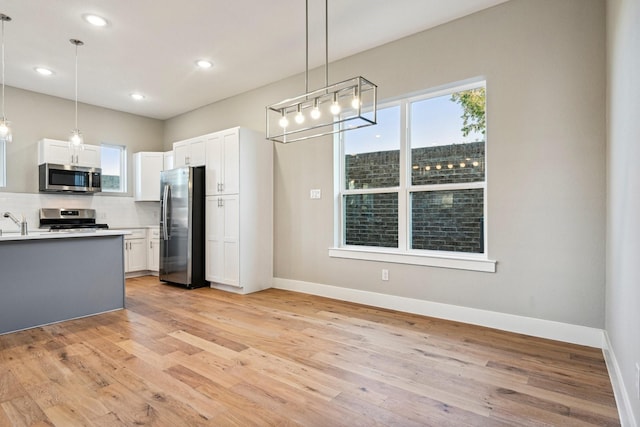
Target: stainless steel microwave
{"points": [[70, 178]]}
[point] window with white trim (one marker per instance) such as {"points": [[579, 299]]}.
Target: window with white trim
{"points": [[415, 183], [114, 167], [3, 165]]}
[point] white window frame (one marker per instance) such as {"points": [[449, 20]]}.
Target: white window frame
{"points": [[3, 164], [123, 168], [403, 254]]}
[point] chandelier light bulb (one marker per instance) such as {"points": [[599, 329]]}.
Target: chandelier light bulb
{"points": [[427, 168], [335, 107], [450, 166], [438, 167], [315, 111], [462, 164], [355, 101], [283, 122], [299, 116], [475, 163]]}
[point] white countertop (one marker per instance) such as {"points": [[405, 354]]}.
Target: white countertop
{"points": [[41, 235]]}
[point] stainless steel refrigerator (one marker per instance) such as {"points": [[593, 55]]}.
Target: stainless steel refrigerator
{"points": [[182, 222]]}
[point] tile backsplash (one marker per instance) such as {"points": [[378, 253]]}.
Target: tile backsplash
{"points": [[117, 211]]}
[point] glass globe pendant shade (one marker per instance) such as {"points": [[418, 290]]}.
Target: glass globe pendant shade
{"points": [[5, 130], [76, 139], [5, 125]]}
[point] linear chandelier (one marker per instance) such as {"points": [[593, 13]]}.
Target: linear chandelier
{"points": [[339, 107]]}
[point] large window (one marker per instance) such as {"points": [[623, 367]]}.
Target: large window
{"points": [[3, 165], [113, 162], [415, 183]]}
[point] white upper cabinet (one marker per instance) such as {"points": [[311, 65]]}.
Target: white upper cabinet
{"points": [[190, 152], [59, 152], [168, 160], [147, 167], [223, 162]]}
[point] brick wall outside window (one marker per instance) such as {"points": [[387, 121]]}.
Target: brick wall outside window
{"points": [[447, 220]]}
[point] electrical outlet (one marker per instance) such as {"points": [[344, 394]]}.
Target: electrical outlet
{"points": [[315, 193], [385, 274]]}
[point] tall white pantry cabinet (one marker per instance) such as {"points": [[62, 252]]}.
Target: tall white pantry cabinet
{"points": [[239, 210]]}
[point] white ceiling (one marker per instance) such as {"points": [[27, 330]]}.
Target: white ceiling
{"points": [[150, 46]]}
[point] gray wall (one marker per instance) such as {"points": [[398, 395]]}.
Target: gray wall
{"points": [[35, 116], [544, 62], [623, 188]]}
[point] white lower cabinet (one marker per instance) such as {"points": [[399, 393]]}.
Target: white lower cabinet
{"points": [[153, 252], [135, 250], [222, 243]]}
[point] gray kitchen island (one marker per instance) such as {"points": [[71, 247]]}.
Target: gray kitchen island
{"points": [[48, 277]]}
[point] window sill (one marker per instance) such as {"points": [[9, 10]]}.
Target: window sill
{"points": [[444, 261]]}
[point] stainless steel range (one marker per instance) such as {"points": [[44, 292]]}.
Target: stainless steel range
{"points": [[69, 219]]}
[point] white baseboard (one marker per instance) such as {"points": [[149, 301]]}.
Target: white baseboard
{"points": [[623, 399], [575, 334]]}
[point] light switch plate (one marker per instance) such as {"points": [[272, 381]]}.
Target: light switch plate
{"points": [[315, 193]]}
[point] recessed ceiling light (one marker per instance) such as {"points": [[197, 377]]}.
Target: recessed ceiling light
{"points": [[203, 63], [137, 96], [95, 20], [43, 71]]}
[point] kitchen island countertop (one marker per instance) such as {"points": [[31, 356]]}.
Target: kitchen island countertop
{"points": [[43, 234]]}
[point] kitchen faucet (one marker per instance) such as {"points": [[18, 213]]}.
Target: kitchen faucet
{"points": [[22, 224]]}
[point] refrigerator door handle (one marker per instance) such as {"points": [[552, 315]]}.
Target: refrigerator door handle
{"points": [[165, 200]]}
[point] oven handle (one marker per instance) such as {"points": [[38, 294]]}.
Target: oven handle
{"points": [[165, 201]]}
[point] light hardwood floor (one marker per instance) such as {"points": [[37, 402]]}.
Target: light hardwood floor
{"points": [[204, 357]]}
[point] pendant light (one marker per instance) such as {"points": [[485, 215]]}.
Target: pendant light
{"points": [[5, 125], [75, 139], [347, 105]]}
